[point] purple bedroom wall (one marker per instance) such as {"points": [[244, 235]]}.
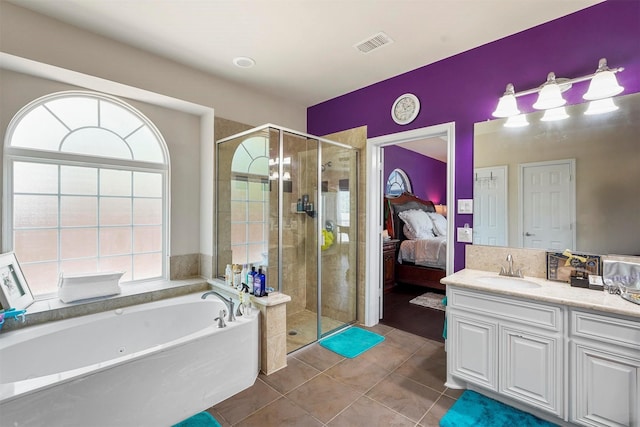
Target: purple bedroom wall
{"points": [[428, 176], [465, 88]]}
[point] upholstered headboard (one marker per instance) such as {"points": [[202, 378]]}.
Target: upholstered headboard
{"points": [[404, 202]]}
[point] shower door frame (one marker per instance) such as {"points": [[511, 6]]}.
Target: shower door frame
{"points": [[319, 207]]}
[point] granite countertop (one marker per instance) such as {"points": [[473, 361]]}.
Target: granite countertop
{"points": [[549, 291]]}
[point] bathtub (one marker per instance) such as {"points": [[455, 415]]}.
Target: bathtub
{"points": [[153, 364]]}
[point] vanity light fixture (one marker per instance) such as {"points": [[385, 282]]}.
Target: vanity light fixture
{"points": [[516, 121], [554, 114], [507, 105], [601, 106], [603, 85], [550, 95]]}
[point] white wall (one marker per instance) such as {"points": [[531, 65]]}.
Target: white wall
{"points": [[49, 47], [180, 130]]}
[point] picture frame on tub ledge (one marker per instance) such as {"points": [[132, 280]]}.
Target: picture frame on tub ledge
{"points": [[14, 290]]}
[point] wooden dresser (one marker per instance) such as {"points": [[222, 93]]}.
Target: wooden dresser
{"points": [[389, 254]]}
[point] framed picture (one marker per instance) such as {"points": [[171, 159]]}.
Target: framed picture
{"points": [[14, 291]]}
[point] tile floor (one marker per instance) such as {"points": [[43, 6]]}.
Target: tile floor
{"points": [[400, 382]]}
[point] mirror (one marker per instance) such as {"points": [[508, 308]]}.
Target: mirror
{"points": [[573, 183]]}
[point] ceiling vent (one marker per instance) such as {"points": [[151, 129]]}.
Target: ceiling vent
{"points": [[374, 42]]}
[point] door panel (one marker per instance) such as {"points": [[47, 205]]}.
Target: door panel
{"points": [[490, 221], [548, 205]]}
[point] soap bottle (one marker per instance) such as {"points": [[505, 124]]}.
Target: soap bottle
{"points": [[299, 206], [237, 276], [243, 276], [256, 283], [263, 281], [228, 274], [251, 279]]}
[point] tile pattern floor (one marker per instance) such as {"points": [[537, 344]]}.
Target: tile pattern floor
{"points": [[400, 382]]}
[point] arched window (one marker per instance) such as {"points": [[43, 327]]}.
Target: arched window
{"points": [[85, 190], [250, 201], [397, 183]]}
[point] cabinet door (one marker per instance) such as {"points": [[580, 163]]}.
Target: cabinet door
{"points": [[472, 353], [531, 369], [605, 386], [389, 265]]}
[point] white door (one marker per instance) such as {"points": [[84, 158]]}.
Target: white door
{"points": [[490, 220], [548, 205]]}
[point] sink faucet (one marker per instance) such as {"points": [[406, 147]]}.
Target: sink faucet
{"points": [[510, 272], [228, 302]]}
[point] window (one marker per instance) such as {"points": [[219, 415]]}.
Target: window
{"points": [[86, 190], [397, 183], [250, 201]]}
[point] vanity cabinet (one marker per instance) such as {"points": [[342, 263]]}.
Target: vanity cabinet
{"points": [[507, 345], [605, 370]]}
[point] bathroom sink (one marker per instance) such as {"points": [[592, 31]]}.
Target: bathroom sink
{"points": [[509, 282]]}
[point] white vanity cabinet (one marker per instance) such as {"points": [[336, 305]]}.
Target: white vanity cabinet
{"points": [[605, 370], [511, 346]]}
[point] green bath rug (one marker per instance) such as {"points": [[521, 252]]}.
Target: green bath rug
{"points": [[352, 342], [201, 419], [475, 410]]}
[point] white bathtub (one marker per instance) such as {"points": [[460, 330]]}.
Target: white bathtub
{"points": [[153, 365]]}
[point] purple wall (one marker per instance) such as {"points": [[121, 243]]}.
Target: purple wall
{"points": [[428, 176], [465, 88]]}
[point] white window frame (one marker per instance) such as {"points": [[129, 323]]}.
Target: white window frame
{"points": [[19, 154]]}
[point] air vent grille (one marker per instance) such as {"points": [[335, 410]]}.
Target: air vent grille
{"points": [[374, 42]]}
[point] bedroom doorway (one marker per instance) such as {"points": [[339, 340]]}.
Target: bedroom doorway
{"points": [[375, 219]]}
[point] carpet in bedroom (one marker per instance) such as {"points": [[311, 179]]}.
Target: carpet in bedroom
{"points": [[399, 313]]}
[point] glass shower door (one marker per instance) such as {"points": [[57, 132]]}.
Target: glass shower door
{"points": [[338, 238]]}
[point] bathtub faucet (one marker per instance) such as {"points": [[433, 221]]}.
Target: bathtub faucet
{"points": [[220, 319], [228, 302]]}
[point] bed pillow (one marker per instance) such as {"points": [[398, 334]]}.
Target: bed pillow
{"points": [[419, 223], [408, 232], [439, 224]]}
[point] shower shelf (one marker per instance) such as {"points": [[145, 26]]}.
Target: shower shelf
{"points": [[312, 214]]}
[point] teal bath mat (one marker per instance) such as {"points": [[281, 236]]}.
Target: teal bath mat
{"points": [[352, 342], [201, 419], [475, 410]]}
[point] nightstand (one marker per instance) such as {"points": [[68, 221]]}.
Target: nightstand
{"points": [[389, 253]]}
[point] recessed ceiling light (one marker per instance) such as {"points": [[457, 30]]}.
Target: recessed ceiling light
{"points": [[243, 62]]}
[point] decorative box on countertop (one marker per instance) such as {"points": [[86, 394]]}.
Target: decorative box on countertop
{"points": [[572, 268]]}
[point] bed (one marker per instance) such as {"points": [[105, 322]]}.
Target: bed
{"points": [[422, 256]]}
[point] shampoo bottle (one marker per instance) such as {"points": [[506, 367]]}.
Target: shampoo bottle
{"points": [[228, 274], [250, 279], [237, 276], [243, 276], [256, 283], [263, 282]]}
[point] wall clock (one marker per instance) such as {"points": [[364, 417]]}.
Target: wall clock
{"points": [[405, 109]]}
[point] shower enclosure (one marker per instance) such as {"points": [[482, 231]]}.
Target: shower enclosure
{"points": [[287, 202]]}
